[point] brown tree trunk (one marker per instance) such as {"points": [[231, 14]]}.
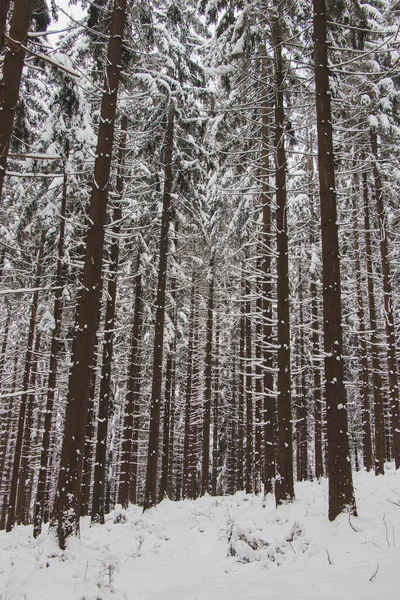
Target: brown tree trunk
{"points": [[241, 389], [232, 472], [379, 419], [366, 410], [216, 412], [249, 393], [167, 418], [150, 495], [341, 492], [129, 453], [315, 333], [268, 383], [205, 465], [66, 509], [88, 451], [12, 72], [388, 304], [284, 487], [302, 413], [6, 466], [12, 499], [4, 345], [26, 457], [189, 466], [168, 423], [97, 515], [259, 397], [51, 384]]}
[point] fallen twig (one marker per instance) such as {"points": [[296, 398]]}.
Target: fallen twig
{"points": [[375, 574], [351, 525]]}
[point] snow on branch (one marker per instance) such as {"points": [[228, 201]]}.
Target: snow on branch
{"points": [[45, 58]]}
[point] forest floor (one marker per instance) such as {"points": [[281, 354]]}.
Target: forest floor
{"points": [[224, 548]]}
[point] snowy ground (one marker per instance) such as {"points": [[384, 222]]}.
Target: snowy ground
{"points": [[225, 548]]}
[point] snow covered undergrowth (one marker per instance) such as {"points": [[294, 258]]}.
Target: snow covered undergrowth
{"points": [[225, 548]]}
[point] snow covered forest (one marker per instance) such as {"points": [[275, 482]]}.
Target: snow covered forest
{"points": [[199, 266]]}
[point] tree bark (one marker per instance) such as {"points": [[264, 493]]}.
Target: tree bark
{"points": [[66, 509], [97, 515], [241, 390], [341, 492], [6, 466], [268, 383], [259, 396], [168, 422], [189, 466], [26, 456], [4, 345], [284, 487], [205, 465], [315, 333], [12, 499], [379, 419], [12, 73], [129, 454], [233, 430], [51, 384], [249, 393], [150, 496], [216, 412], [388, 304], [88, 451], [302, 412], [366, 411]]}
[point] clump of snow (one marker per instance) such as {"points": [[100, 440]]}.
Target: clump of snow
{"points": [[233, 547], [373, 122], [47, 323]]}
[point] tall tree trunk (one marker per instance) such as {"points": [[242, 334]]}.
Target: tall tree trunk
{"points": [[249, 393], [302, 413], [12, 72], [366, 411], [53, 363], [25, 386], [284, 487], [66, 509], [129, 454], [341, 492], [189, 466], [216, 412], [315, 331], [205, 465], [88, 451], [168, 423], [232, 471], [387, 299], [8, 426], [150, 495], [241, 390], [6, 465], [259, 397], [26, 456], [268, 383], [4, 345], [379, 419], [167, 420], [97, 515]]}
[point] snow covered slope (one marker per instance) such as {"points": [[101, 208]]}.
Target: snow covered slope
{"points": [[225, 548]]}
